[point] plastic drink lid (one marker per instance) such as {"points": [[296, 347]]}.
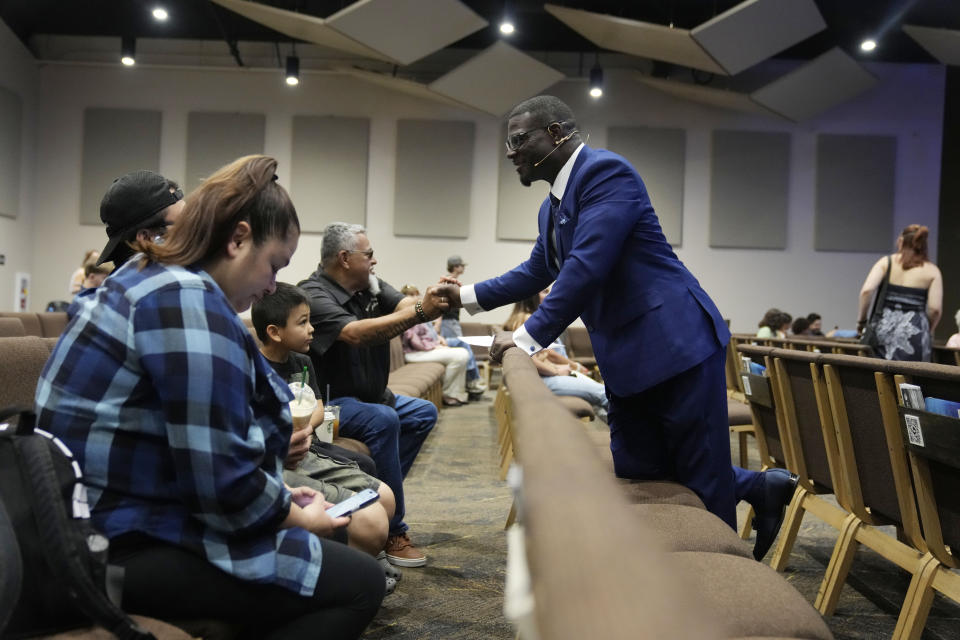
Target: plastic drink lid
{"points": [[303, 399]]}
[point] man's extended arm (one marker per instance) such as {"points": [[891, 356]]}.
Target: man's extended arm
{"points": [[375, 331]]}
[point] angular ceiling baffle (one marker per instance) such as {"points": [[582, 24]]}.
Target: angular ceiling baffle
{"points": [[300, 26], [824, 82], [754, 30], [710, 96], [369, 28], [942, 44], [415, 89], [485, 83], [407, 30], [735, 40], [642, 39]]}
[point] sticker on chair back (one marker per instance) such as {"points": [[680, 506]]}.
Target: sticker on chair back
{"points": [[746, 386], [914, 434]]}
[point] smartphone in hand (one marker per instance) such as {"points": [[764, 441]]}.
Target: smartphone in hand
{"points": [[353, 503]]}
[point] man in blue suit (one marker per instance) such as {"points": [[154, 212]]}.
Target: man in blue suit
{"points": [[658, 338]]}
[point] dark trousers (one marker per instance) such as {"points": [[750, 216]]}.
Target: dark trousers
{"points": [[170, 583], [678, 430]]}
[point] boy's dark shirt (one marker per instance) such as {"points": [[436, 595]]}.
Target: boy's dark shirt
{"points": [[294, 367]]}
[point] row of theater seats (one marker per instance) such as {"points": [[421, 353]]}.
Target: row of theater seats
{"points": [[942, 354], [44, 325], [614, 559], [838, 422]]}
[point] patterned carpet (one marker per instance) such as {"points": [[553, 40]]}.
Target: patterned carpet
{"points": [[456, 509]]}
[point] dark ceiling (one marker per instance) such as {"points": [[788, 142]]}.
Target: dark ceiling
{"points": [[848, 21]]}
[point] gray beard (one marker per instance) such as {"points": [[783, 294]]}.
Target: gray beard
{"points": [[374, 287]]}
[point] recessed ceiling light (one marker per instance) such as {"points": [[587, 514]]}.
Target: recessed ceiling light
{"points": [[868, 45], [506, 27], [160, 14]]}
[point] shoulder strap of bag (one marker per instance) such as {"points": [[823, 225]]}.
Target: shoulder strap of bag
{"points": [[881, 296], [64, 551]]}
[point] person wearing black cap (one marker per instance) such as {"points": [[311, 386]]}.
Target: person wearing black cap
{"points": [[450, 320], [138, 206]]}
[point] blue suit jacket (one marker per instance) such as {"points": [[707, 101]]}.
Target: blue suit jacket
{"points": [[648, 318]]}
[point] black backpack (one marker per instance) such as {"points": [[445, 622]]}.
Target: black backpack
{"points": [[58, 578]]}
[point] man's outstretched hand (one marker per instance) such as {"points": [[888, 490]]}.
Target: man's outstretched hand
{"points": [[501, 342], [440, 297]]}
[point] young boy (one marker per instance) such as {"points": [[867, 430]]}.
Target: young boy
{"points": [[282, 323]]}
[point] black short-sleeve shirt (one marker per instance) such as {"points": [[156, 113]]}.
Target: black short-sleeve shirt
{"points": [[359, 372]]}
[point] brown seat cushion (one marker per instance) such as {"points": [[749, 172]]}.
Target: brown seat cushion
{"points": [[52, 323], [23, 359], [30, 321], [748, 598], [660, 492], [738, 413], [684, 528], [11, 328]]}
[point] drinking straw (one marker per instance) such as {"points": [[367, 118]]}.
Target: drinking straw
{"points": [[328, 393], [303, 383]]}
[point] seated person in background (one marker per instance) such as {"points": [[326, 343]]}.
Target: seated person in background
{"points": [[94, 275], [450, 320], [461, 378], [954, 341], [816, 324], [76, 279], [282, 322], [800, 327], [181, 428], [563, 376], [775, 324]]}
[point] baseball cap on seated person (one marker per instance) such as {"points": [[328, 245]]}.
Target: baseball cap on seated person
{"points": [[134, 201]]}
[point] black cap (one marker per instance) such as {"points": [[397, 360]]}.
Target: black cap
{"points": [[455, 261], [132, 202]]}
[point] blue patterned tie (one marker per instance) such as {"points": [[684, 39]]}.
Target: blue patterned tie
{"points": [[554, 209]]}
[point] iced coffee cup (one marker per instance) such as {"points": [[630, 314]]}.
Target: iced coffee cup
{"points": [[302, 406]]}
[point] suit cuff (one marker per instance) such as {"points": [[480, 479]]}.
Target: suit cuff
{"points": [[468, 298], [525, 341]]}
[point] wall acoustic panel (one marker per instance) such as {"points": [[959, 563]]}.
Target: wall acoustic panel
{"points": [[754, 30], [434, 178], [328, 176], [749, 180], [115, 142], [855, 193], [217, 138], [659, 156], [517, 205], [11, 125]]}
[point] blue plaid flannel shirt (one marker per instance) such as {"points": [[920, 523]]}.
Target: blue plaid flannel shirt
{"points": [[179, 424]]}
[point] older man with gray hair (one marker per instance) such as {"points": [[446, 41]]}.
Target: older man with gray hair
{"points": [[354, 315]]}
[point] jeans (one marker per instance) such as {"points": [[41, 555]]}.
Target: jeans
{"points": [[450, 328], [580, 386], [473, 372], [394, 436]]}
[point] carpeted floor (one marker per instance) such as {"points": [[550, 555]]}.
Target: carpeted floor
{"points": [[456, 509]]}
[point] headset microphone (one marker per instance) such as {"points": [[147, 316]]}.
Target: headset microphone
{"points": [[559, 142]]}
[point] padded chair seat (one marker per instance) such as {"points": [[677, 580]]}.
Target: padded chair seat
{"points": [[748, 598], [738, 413], [660, 492], [684, 528], [11, 328], [578, 406]]}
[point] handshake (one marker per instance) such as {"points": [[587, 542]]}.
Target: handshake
{"points": [[441, 297]]}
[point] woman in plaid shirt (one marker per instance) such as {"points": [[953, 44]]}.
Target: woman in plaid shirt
{"points": [[181, 427]]}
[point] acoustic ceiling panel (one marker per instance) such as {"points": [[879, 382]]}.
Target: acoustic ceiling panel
{"points": [[402, 85], [754, 30], [407, 30], [637, 38], [822, 83], [496, 79], [301, 26], [942, 44], [707, 95]]}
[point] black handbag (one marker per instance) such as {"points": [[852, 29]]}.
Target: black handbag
{"points": [[869, 336]]}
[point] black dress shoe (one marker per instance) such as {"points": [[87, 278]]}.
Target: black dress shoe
{"points": [[778, 488]]}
